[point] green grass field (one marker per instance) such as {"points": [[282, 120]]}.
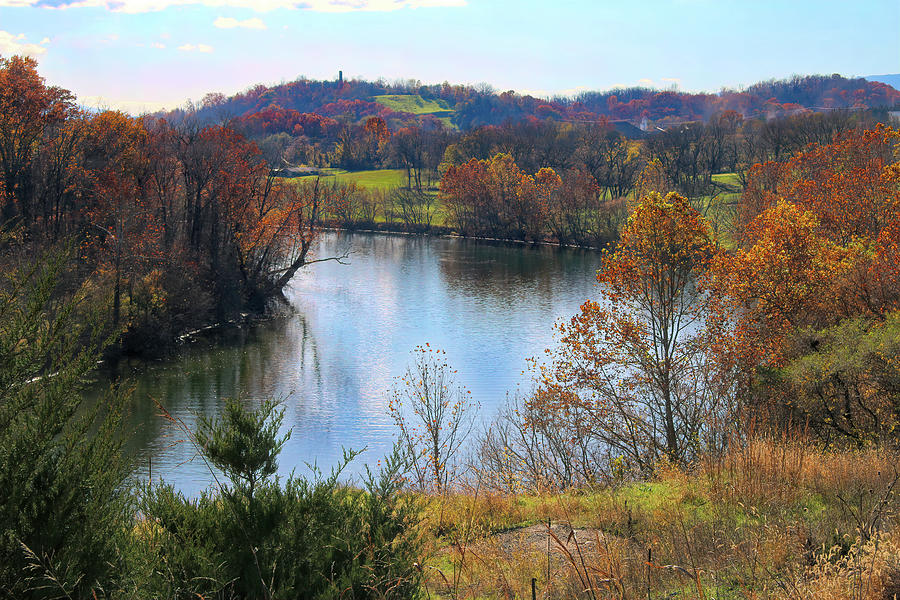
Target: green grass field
{"points": [[721, 213], [380, 179], [729, 179], [415, 104]]}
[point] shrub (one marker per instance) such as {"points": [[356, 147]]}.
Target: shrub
{"points": [[257, 537]]}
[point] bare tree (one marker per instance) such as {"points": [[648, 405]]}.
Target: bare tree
{"points": [[434, 416]]}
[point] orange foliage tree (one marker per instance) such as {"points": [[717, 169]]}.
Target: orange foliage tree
{"points": [[28, 108], [818, 238], [817, 261], [495, 198], [636, 373], [180, 225]]}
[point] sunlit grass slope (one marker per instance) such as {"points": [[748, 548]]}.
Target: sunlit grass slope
{"points": [[415, 104]]}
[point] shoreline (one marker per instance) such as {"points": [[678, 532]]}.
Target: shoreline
{"points": [[278, 306], [439, 231]]}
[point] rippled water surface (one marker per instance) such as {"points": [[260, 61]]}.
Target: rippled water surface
{"points": [[489, 306]]}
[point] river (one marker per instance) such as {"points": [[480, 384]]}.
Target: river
{"points": [[352, 327]]}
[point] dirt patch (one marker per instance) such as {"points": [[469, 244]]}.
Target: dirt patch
{"points": [[536, 537]]}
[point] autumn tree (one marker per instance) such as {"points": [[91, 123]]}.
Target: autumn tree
{"points": [[816, 232], [818, 261], [120, 218], [635, 372], [376, 137], [28, 107], [179, 225], [613, 161], [409, 152], [495, 198]]}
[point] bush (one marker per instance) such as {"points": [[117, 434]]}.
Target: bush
{"points": [[305, 538]]}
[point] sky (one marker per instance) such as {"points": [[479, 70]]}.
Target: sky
{"points": [[143, 55]]}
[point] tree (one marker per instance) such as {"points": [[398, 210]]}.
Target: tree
{"points": [[244, 444], [818, 240], [434, 417], [636, 372], [114, 156], [817, 263], [27, 108], [63, 470], [495, 198], [262, 537], [409, 153]]}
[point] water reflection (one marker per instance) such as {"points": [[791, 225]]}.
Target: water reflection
{"points": [[490, 306]]}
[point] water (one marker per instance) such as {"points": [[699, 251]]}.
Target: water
{"points": [[491, 307]]}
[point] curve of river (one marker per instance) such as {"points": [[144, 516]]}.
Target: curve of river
{"points": [[490, 306]]}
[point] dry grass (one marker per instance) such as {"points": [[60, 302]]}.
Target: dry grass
{"points": [[868, 571], [769, 519]]}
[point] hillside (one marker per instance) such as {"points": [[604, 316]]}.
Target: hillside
{"points": [[466, 107]]}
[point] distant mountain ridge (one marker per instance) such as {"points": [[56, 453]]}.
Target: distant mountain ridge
{"points": [[891, 80], [292, 106]]}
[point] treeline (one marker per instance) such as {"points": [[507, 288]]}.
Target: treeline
{"points": [[476, 106], [178, 226], [184, 225], [319, 123], [568, 182]]}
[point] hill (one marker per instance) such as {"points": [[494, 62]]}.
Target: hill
{"points": [[333, 104]]}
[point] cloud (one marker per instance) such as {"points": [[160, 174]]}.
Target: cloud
{"points": [[196, 48], [230, 23], [15, 44], [143, 6], [646, 82], [158, 45]]}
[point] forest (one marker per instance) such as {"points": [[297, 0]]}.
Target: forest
{"points": [[721, 423]]}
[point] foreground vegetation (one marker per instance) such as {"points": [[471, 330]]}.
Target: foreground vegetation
{"points": [[74, 525]]}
